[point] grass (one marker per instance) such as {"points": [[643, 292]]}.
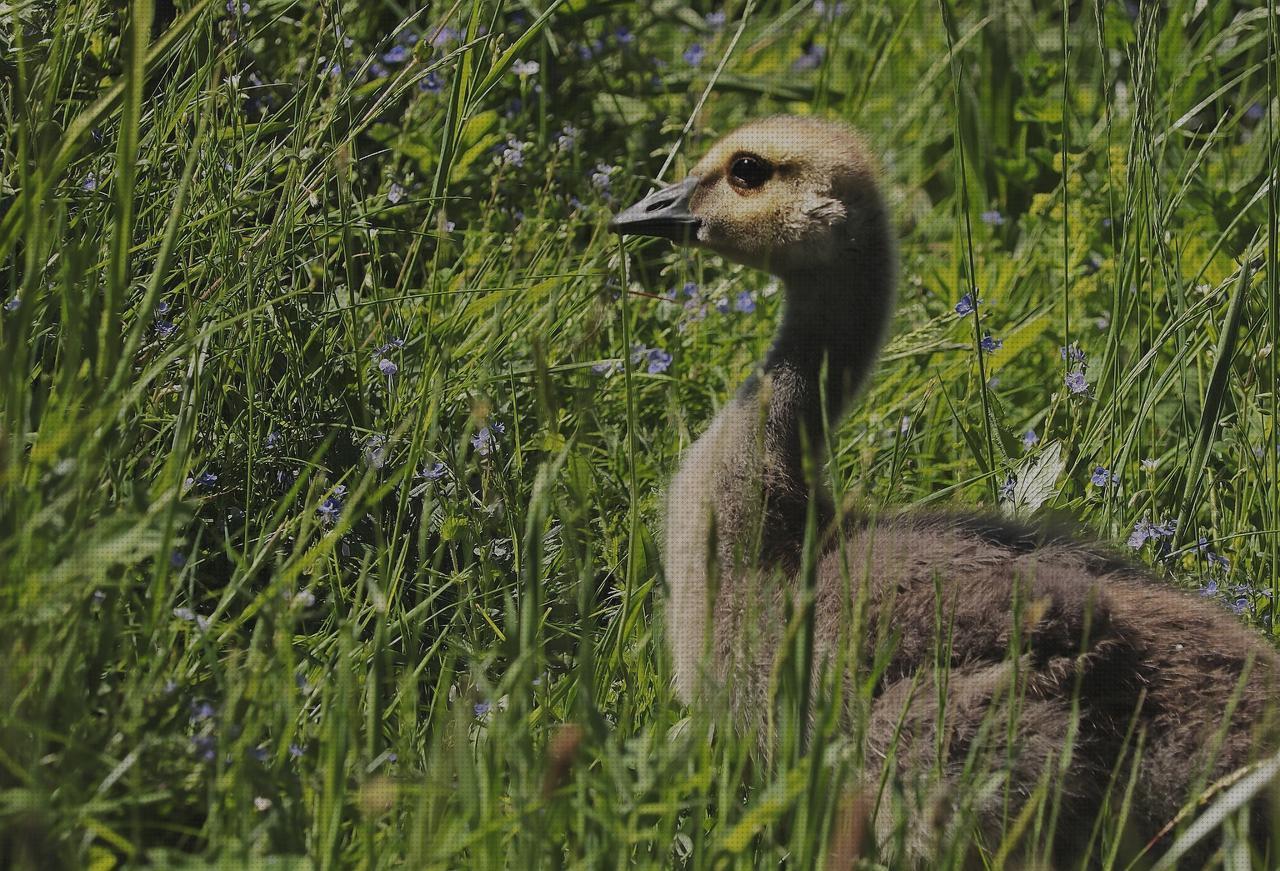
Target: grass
{"points": [[274, 583]]}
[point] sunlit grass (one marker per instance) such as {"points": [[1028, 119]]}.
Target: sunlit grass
{"points": [[334, 423]]}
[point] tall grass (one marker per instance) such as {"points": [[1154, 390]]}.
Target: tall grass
{"points": [[330, 466]]}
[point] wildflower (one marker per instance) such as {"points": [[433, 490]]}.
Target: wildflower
{"points": [[387, 367], [1101, 476], [397, 55], [1076, 383], [378, 71], [992, 217], [433, 472], [262, 804], [12, 304], [89, 183], [482, 708], [201, 710], [395, 194], [232, 6], [745, 303], [1102, 322], [968, 303], [715, 20], [567, 138], [525, 68], [1144, 531], [606, 367], [990, 344], [330, 510], [601, 177], [431, 83], [1071, 353], [1255, 112], [1149, 464], [1218, 560], [295, 751], [1240, 604], [1029, 438], [624, 36], [443, 37], [340, 491], [1209, 589], [659, 361], [273, 440], [486, 440], [1008, 487], [513, 153], [206, 746], [177, 559], [206, 479], [165, 329], [722, 306], [694, 54], [811, 59], [303, 599]]}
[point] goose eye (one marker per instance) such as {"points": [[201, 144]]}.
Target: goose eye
{"points": [[749, 171]]}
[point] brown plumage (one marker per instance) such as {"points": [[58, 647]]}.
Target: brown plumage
{"points": [[1022, 617]]}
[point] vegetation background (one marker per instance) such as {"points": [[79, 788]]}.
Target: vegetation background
{"points": [[334, 424]]}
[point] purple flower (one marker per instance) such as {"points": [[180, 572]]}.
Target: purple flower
{"points": [[165, 329], [659, 361], [1218, 560], [744, 303], [1101, 476], [387, 367], [601, 178], [992, 217], [395, 194], [624, 36], [1029, 438], [486, 440], [1007, 488], [567, 138], [690, 289], [201, 710], [990, 344], [295, 751], [811, 59], [694, 54], [1071, 353], [431, 83], [433, 472], [89, 183], [1209, 589], [482, 708], [606, 367], [715, 20], [513, 152], [397, 55], [378, 71], [12, 304], [968, 304], [1240, 604], [330, 510], [1255, 112], [1075, 383], [722, 306], [232, 6], [206, 747]]}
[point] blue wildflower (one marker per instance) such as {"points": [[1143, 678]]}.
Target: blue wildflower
{"points": [[89, 183], [694, 54], [992, 217], [690, 289], [990, 344], [431, 83], [567, 138], [432, 472], [968, 304], [330, 510], [387, 367], [1076, 383], [206, 747], [745, 303], [397, 55], [1008, 487], [811, 59], [1101, 476], [165, 329], [201, 710], [602, 177], [12, 304], [482, 708], [177, 559], [715, 20], [486, 440], [1071, 353], [624, 36], [513, 152], [659, 361], [1029, 438]]}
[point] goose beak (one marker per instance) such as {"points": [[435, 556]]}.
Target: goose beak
{"points": [[663, 213]]}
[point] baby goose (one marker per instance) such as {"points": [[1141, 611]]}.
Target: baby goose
{"points": [[1096, 636]]}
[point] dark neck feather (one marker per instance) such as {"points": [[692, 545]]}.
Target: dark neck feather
{"points": [[831, 330]]}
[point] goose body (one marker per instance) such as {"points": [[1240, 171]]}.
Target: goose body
{"points": [[1100, 649]]}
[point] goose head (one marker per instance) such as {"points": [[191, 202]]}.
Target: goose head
{"points": [[787, 194]]}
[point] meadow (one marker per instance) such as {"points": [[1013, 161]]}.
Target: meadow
{"points": [[334, 424]]}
